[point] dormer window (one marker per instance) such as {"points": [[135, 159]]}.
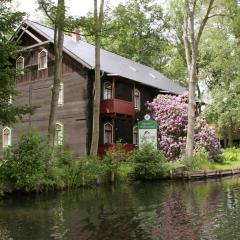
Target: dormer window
{"points": [[137, 102], [6, 137], [59, 134], [108, 133], [107, 90], [42, 59], [61, 95], [20, 63]]}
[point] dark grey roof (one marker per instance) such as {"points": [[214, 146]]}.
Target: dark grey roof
{"points": [[111, 63]]}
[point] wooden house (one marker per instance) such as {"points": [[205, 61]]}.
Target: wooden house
{"points": [[126, 87]]}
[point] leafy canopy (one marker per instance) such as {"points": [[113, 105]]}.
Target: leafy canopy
{"points": [[9, 50]]}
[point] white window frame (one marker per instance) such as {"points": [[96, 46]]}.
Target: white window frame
{"points": [[61, 95], [104, 135], [135, 140], [10, 100], [105, 94], [137, 107], [17, 67], [58, 143], [39, 60], [10, 137]]}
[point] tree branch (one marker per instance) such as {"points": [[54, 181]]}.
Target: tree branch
{"points": [[217, 15], [44, 8], [204, 21], [185, 34]]}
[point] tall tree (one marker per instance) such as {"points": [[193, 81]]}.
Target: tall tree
{"points": [[98, 20], [57, 17], [135, 30], [192, 32], [9, 50], [219, 60]]}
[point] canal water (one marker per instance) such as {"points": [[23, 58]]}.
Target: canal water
{"points": [[149, 211]]}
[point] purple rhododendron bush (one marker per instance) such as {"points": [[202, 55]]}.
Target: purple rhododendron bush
{"points": [[171, 114]]}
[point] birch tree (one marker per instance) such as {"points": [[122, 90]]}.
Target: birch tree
{"points": [[57, 16], [98, 20], [192, 31]]}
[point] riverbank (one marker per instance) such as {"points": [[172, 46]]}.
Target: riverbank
{"points": [[30, 166]]}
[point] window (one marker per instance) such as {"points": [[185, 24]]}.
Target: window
{"points": [[10, 100], [7, 137], [136, 99], [135, 135], [42, 59], [59, 134], [108, 133], [107, 90], [61, 95], [20, 63]]}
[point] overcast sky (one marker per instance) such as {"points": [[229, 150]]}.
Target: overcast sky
{"points": [[76, 7]]}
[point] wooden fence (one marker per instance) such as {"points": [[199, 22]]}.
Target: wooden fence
{"points": [[203, 174]]}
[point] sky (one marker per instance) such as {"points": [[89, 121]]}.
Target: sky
{"points": [[75, 7]]}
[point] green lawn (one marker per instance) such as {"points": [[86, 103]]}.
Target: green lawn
{"points": [[227, 165], [212, 166]]}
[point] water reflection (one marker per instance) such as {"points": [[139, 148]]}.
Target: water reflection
{"points": [[170, 210]]}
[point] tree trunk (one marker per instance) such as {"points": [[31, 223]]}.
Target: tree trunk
{"points": [[97, 83], [191, 114], [191, 44], [58, 49], [230, 137], [112, 176], [225, 139]]}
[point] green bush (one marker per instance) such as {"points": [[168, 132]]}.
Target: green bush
{"points": [[149, 163], [92, 168], [27, 163], [200, 161], [125, 171], [114, 159], [231, 154]]}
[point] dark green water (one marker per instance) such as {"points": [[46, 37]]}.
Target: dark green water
{"points": [[169, 210]]}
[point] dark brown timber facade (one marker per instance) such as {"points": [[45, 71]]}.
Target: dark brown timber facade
{"points": [[123, 95]]}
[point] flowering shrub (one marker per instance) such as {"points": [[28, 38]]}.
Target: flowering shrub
{"points": [[171, 114]]}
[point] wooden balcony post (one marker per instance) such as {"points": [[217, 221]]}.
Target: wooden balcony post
{"points": [[114, 129]]}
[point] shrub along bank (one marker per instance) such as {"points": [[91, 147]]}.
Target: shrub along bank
{"points": [[27, 166]]}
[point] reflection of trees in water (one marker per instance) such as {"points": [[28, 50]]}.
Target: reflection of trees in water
{"points": [[186, 214], [59, 230], [5, 233], [226, 223], [154, 211]]}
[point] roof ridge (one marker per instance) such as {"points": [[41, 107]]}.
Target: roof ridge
{"points": [[114, 63], [102, 49]]}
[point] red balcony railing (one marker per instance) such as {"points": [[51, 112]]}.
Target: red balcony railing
{"points": [[117, 106]]}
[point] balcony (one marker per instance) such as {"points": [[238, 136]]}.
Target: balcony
{"points": [[117, 106]]}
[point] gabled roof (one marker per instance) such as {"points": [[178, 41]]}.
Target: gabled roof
{"points": [[111, 63]]}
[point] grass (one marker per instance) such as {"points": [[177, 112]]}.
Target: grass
{"points": [[226, 165]]}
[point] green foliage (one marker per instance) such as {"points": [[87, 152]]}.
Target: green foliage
{"points": [[92, 167], [114, 157], [149, 163], [134, 29], [231, 154], [125, 171], [27, 163], [9, 50], [199, 161]]}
